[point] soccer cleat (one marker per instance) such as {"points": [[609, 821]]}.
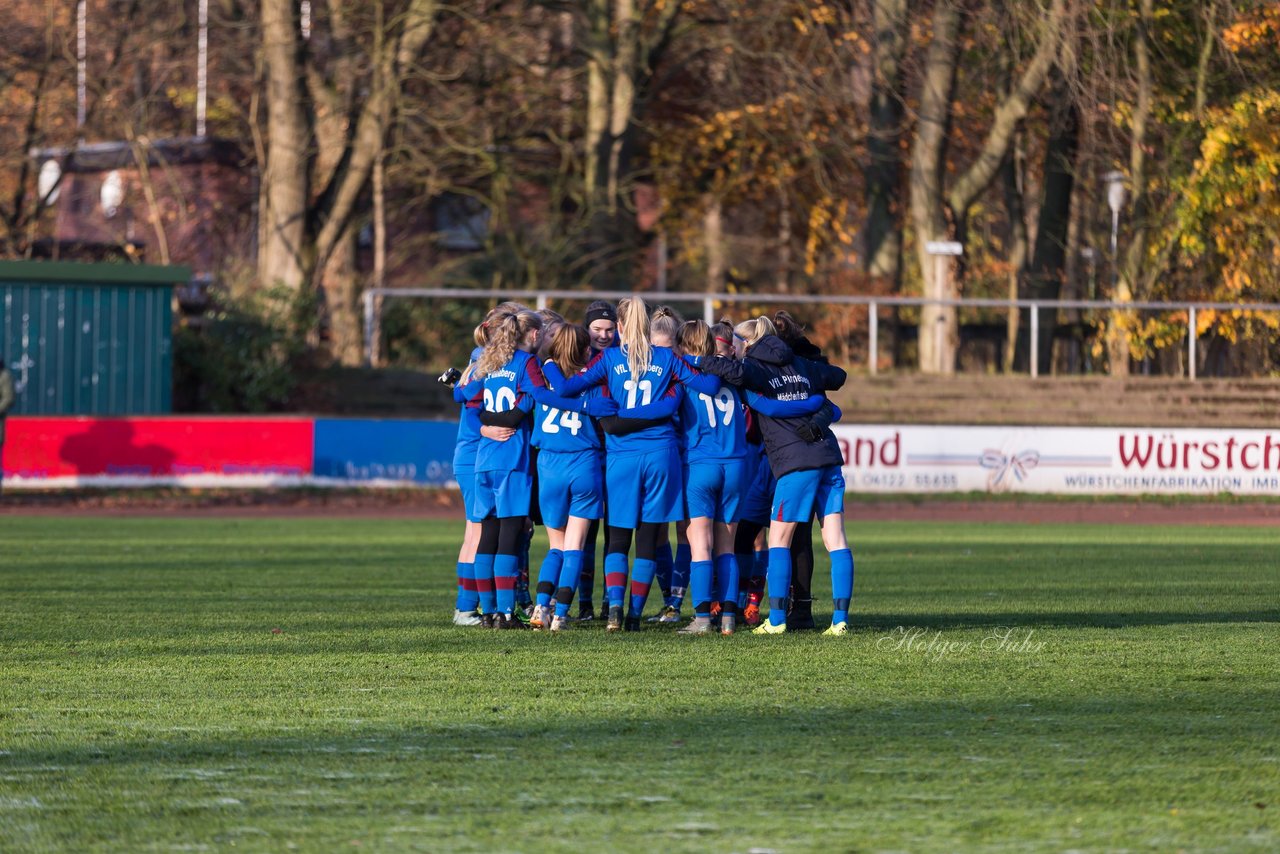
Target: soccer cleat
{"points": [[632, 624], [559, 624], [511, 621], [615, 619], [668, 614], [540, 618], [604, 611], [727, 623], [697, 626], [751, 615], [586, 612], [837, 630], [521, 615], [800, 615], [466, 618], [489, 621], [768, 628]]}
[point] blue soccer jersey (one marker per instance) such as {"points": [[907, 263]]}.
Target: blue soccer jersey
{"points": [[565, 430], [714, 425], [610, 369], [510, 387]]}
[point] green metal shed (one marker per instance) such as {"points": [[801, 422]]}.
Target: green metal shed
{"points": [[88, 339]]}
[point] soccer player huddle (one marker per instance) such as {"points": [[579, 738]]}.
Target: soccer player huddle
{"points": [[640, 421]]}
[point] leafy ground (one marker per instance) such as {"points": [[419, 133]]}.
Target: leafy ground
{"points": [[294, 683]]}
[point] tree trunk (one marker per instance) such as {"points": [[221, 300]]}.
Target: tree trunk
{"points": [[783, 280], [306, 241], [940, 217], [1130, 268], [713, 237], [1011, 174], [937, 333], [882, 256], [1046, 271], [283, 253], [620, 61], [341, 285], [1048, 263]]}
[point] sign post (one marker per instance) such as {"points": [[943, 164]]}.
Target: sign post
{"points": [[942, 250]]}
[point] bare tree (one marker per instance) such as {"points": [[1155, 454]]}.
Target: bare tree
{"points": [[324, 134], [939, 212]]}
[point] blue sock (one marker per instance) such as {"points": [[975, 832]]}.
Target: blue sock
{"points": [[761, 564], [727, 582], [570, 572], [505, 570], [615, 578], [700, 587], [642, 572], [548, 574], [680, 574], [468, 597], [484, 583], [666, 567], [841, 584], [779, 584]]}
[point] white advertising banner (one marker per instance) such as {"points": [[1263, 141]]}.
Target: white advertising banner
{"points": [[1063, 460]]}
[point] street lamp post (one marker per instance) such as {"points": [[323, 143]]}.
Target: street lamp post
{"points": [[1114, 181], [1115, 201]]}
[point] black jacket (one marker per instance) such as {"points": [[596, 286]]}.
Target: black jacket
{"points": [[771, 369]]}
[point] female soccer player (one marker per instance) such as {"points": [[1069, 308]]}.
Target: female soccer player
{"points": [[715, 460], [570, 482], [601, 322], [714, 480], [468, 394], [512, 383], [673, 570], [808, 472], [642, 469]]}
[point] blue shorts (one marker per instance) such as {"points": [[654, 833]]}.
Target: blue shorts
{"points": [[646, 487], [799, 493], [713, 489], [502, 494], [466, 478], [759, 498], [570, 484]]}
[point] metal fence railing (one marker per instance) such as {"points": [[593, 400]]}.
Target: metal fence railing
{"points": [[374, 298]]}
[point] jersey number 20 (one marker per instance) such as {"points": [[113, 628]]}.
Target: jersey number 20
{"points": [[503, 401]]}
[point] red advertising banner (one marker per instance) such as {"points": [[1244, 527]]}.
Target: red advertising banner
{"points": [[107, 449]]}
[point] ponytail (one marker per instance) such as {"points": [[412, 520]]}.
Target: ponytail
{"points": [[664, 323], [504, 339], [633, 330], [751, 331]]}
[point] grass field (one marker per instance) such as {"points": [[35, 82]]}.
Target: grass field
{"points": [[278, 684]]}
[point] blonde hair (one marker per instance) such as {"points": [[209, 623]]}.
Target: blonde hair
{"points": [[664, 323], [505, 337], [696, 339], [567, 347], [633, 331], [481, 334], [751, 331]]}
